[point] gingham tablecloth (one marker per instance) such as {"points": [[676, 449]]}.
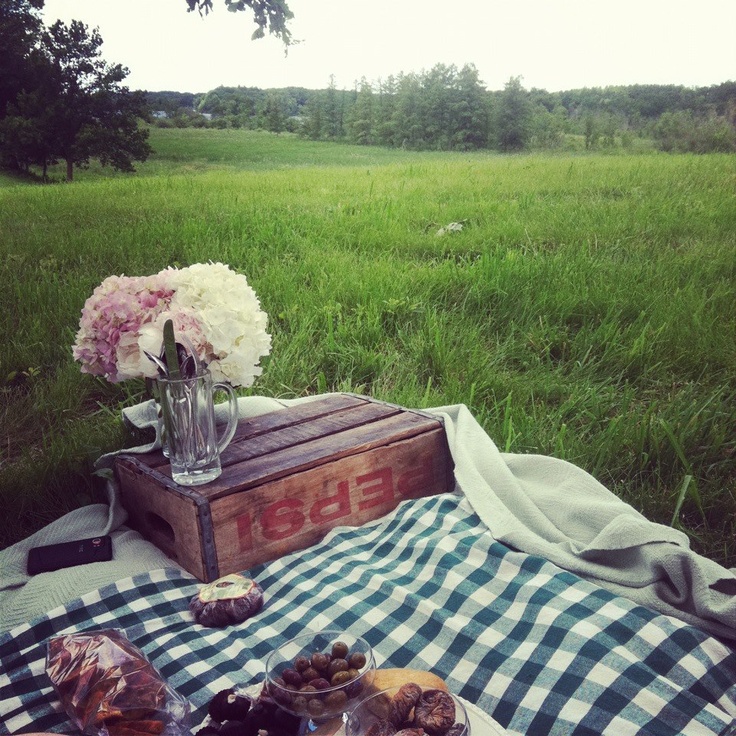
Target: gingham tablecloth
{"points": [[538, 649]]}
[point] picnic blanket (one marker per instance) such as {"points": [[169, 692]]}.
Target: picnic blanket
{"points": [[536, 647], [536, 504]]}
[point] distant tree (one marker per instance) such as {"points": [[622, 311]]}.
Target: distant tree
{"points": [[384, 125], [333, 112], [723, 98], [609, 127], [361, 119], [652, 100], [591, 131], [170, 102], [212, 103], [75, 109], [513, 116], [541, 98], [407, 113], [683, 132], [20, 24], [437, 99], [548, 127], [313, 122], [273, 115], [26, 128], [268, 15], [470, 111]]}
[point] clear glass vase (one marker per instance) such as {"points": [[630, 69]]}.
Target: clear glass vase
{"points": [[188, 415]]}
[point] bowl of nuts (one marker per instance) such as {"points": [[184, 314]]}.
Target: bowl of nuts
{"points": [[419, 710], [320, 675]]}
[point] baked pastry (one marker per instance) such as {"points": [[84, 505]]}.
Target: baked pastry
{"points": [[229, 600], [387, 677]]}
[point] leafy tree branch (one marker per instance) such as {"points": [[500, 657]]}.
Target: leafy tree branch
{"points": [[268, 15]]}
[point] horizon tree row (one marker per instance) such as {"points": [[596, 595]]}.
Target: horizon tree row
{"points": [[448, 108], [443, 109]]}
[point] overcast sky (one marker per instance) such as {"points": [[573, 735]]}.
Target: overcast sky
{"points": [[552, 44]]}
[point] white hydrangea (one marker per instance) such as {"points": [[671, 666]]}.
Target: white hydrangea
{"points": [[232, 336]]}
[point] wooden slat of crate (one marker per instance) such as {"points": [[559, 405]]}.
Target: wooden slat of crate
{"points": [[259, 436]]}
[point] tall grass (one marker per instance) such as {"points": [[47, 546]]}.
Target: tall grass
{"points": [[585, 310]]}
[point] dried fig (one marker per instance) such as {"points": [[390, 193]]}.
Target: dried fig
{"points": [[381, 728], [228, 705], [435, 712], [403, 702], [388, 677]]}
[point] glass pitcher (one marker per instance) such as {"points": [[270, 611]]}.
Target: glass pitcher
{"points": [[188, 414]]}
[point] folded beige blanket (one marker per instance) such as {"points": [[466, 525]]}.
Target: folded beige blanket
{"points": [[548, 507]]}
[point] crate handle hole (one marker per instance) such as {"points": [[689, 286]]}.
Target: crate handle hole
{"points": [[159, 525]]}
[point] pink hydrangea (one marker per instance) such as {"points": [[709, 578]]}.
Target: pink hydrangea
{"points": [[112, 317]]}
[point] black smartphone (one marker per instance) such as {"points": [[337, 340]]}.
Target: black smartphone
{"points": [[69, 554]]}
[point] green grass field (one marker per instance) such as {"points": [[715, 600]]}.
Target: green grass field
{"points": [[586, 309]]}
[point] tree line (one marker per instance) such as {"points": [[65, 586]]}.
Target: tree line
{"points": [[449, 108], [61, 101]]}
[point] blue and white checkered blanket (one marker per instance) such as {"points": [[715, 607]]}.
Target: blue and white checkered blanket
{"points": [[536, 647]]}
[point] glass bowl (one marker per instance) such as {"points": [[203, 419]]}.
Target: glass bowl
{"points": [[344, 667], [374, 709]]}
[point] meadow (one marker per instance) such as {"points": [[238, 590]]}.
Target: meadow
{"points": [[585, 309]]}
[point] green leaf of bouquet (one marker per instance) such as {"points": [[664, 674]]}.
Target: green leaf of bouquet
{"points": [[172, 357]]}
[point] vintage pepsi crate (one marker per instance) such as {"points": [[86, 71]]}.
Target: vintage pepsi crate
{"points": [[288, 478]]}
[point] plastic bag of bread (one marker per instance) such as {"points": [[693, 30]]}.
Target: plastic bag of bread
{"points": [[108, 688]]}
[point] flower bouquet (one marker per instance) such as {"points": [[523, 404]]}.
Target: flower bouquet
{"points": [[214, 310], [193, 330]]}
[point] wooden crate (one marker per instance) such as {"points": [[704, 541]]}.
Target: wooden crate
{"points": [[288, 477]]}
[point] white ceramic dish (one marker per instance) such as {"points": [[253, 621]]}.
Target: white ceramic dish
{"points": [[481, 724]]}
